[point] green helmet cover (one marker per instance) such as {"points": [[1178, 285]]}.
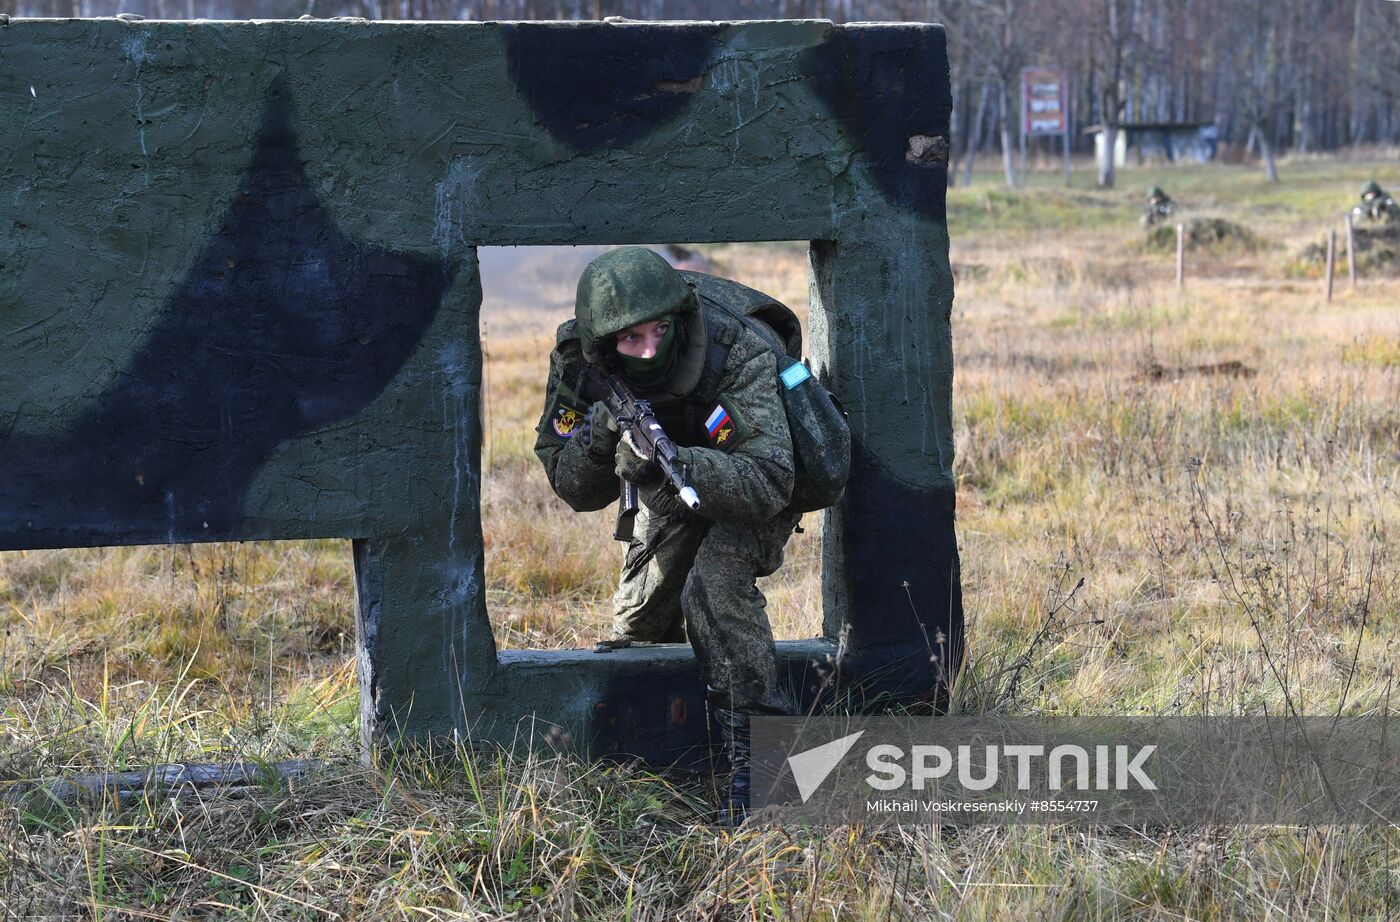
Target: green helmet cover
{"points": [[1372, 188], [625, 287]]}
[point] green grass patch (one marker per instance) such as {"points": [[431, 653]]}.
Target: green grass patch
{"points": [[1311, 191], [1375, 351]]}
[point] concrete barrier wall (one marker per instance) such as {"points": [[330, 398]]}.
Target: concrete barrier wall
{"points": [[239, 297]]}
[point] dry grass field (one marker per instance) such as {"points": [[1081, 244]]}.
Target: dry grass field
{"points": [[1219, 466]]}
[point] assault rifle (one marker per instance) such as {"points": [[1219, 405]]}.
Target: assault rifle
{"points": [[643, 432], [1375, 209]]}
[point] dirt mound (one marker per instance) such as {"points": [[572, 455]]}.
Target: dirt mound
{"points": [[1377, 252], [1156, 371], [1211, 235]]}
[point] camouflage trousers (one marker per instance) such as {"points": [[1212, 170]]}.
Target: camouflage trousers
{"points": [[687, 576]]}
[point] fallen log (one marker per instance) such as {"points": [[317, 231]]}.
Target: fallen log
{"points": [[162, 780]]}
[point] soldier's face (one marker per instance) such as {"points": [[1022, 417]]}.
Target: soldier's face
{"points": [[642, 340]]}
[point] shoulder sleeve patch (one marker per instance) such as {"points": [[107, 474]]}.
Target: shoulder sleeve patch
{"points": [[724, 427], [564, 416]]}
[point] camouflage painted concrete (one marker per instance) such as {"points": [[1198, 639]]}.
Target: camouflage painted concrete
{"points": [[239, 297]]}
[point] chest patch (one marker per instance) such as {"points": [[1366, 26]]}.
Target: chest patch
{"points": [[720, 427]]}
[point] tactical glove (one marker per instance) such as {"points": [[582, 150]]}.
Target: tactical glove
{"points": [[662, 500], [598, 432], [633, 468]]}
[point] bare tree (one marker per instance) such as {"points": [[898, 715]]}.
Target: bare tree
{"points": [[1265, 41], [994, 35], [1114, 38], [974, 133]]}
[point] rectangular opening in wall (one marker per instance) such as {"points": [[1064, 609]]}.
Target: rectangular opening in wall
{"points": [[551, 572], [117, 657]]}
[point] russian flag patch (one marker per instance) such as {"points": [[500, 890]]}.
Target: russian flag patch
{"points": [[719, 426]]}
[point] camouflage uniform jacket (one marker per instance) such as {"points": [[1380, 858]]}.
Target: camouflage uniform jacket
{"points": [[731, 428]]}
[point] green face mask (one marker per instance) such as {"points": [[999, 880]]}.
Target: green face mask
{"points": [[651, 372]]}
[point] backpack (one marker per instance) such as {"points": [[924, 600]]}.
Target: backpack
{"points": [[821, 437]]}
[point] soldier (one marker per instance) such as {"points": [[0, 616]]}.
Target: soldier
{"points": [[713, 385], [1159, 206], [1376, 205]]}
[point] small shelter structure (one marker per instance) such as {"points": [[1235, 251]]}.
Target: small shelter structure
{"points": [[1162, 141]]}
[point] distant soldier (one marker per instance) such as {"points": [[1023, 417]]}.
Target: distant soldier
{"points": [[1159, 206], [1376, 205]]}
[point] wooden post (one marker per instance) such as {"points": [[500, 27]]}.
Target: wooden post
{"points": [[1180, 256], [1064, 150], [1064, 138], [1023, 147], [1331, 259], [1351, 250]]}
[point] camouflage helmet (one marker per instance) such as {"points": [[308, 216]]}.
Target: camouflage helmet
{"points": [[625, 287], [1372, 189], [1155, 194]]}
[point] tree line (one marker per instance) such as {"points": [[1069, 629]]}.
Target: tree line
{"points": [[1272, 75]]}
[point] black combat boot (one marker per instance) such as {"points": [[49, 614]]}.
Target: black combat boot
{"points": [[732, 712], [734, 726]]}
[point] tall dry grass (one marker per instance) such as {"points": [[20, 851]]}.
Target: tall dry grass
{"points": [[1168, 503]]}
